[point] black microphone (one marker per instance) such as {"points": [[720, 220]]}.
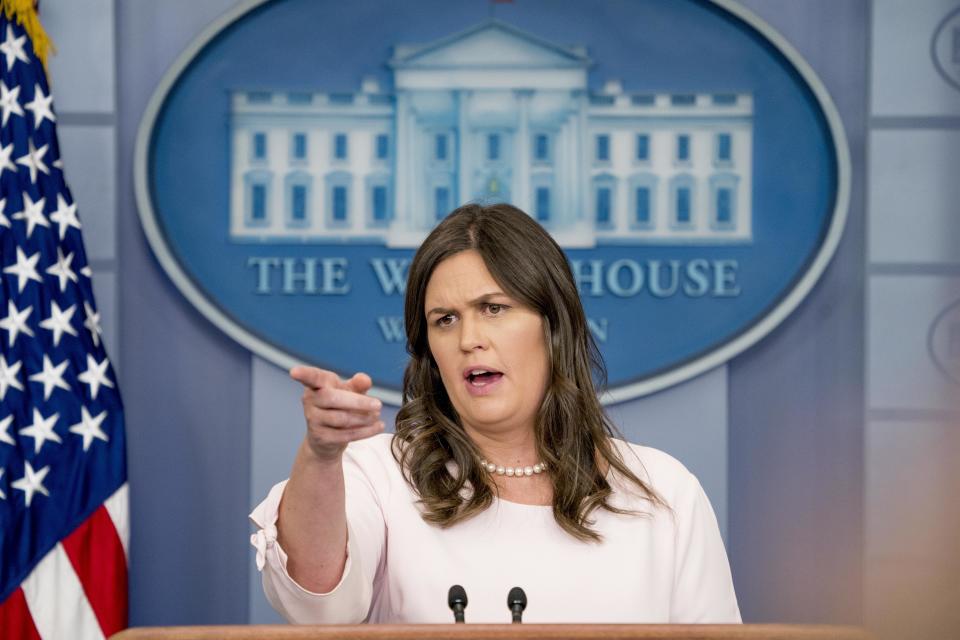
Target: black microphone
{"points": [[517, 601], [457, 600]]}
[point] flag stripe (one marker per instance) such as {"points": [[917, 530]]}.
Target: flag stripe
{"points": [[57, 602], [119, 509], [15, 620], [97, 556]]}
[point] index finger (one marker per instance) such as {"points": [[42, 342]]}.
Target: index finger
{"points": [[345, 400], [315, 378]]}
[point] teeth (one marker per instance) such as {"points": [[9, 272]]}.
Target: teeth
{"points": [[474, 376]]}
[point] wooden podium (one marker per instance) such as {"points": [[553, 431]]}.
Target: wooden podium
{"points": [[500, 632]]}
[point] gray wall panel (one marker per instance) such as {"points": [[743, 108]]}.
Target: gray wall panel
{"points": [[84, 76], [902, 371], [914, 193], [912, 572], [89, 165], [904, 81], [186, 385], [796, 399], [108, 306]]}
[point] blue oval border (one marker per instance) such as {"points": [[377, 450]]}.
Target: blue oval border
{"points": [[657, 382]]}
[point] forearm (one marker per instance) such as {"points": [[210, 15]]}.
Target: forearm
{"points": [[312, 524]]}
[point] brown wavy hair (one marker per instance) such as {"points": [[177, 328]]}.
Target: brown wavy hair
{"points": [[573, 433]]}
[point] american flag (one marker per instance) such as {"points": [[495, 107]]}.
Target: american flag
{"points": [[63, 476]]}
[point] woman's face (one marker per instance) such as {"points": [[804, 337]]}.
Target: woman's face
{"points": [[488, 346]]}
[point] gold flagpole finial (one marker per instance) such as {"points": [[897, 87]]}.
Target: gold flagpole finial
{"points": [[25, 13]]}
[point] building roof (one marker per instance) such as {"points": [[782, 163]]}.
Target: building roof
{"points": [[490, 44]]}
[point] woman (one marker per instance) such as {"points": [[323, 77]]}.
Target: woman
{"points": [[503, 471]]}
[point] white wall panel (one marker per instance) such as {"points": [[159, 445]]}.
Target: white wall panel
{"points": [[904, 79], [914, 206]]}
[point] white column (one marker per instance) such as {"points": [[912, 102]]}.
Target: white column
{"points": [[419, 217], [563, 160], [358, 180], [522, 156], [573, 171], [583, 155], [278, 167], [464, 137], [401, 206]]}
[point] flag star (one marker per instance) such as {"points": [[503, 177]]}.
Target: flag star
{"points": [[3, 496], [16, 322], [34, 160], [92, 323], [4, 221], [42, 430], [5, 431], [31, 482], [96, 375], [8, 376], [51, 376], [32, 213], [57, 164], [9, 103], [62, 269], [59, 321], [86, 271], [65, 215], [12, 48], [40, 106], [89, 427], [6, 152], [25, 269]]}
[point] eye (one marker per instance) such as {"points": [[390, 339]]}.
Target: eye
{"points": [[444, 321], [495, 309]]}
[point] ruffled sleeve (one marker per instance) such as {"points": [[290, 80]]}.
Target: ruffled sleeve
{"points": [[349, 602], [346, 603]]}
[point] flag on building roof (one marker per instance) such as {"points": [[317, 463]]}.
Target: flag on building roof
{"points": [[63, 478]]}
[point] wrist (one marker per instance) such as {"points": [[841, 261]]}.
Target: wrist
{"points": [[328, 457]]}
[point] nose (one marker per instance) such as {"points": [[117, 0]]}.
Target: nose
{"points": [[471, 334]]}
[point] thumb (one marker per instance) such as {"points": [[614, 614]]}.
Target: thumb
{"points": [[359, 383]]}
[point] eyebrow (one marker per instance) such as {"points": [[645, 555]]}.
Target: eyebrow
{"points": [[478, 300]]}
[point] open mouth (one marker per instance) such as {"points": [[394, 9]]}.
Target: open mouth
{"points": [[483, 377]]}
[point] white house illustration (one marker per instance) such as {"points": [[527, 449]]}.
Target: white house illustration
{"points": [[491, 114]]}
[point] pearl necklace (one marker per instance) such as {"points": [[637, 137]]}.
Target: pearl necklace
{"points": [[540, 467]]}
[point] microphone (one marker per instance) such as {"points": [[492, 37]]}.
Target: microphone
{"points": [[517, 601], [457, 601]]}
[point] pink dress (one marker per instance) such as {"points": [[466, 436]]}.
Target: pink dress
{"points": [[665, 566]]}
